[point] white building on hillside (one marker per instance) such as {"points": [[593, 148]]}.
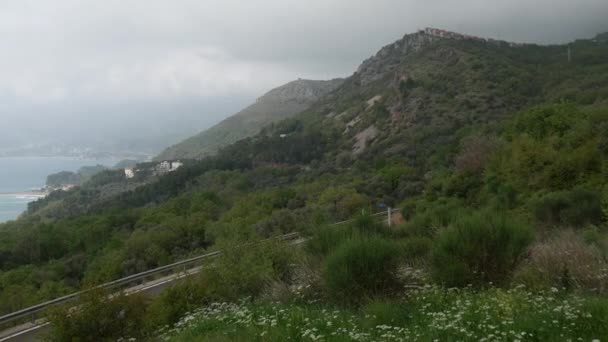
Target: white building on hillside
{"points": [[129, 173], [176, 165], [168, 166]]}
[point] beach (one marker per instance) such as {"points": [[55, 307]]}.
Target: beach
{"points": [[22, 180]]}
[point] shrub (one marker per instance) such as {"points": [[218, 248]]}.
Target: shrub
{"points": [[479, 248], [174, 302], [474, 154], [326, 239], [361, 268], [431, 218], [542, 121], [99, 318], [592, 235], [566, 261], [365, 224], [463, 185], [576, 208], [416, 247], [247, 271], [282, 259]]}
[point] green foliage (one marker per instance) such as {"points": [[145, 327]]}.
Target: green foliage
{"points": [[360, 269], [368, 225], [343, 203], [386, 313], [544, 121], [247, 271], [62, 178], [174, 302], [430, 217], [479, 249], [416, 248], [575, 208], [463, 185], [405, 86], [550, 148], [326, 239], [99, 318]]}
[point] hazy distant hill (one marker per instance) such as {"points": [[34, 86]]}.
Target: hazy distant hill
{"points": [[276, 105]]}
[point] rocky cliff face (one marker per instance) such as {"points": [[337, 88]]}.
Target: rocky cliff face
{"points": [[409, 98], [278, 104], [300, 91], [391, 56]]}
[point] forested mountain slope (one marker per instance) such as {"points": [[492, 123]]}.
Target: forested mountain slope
{"points": [[276, 105], [439, 126]]}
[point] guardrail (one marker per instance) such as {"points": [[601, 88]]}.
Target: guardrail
{"points": [[32, 311], [379, 215]]}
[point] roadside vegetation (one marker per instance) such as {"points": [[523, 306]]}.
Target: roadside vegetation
{"points": [[502, 235]]}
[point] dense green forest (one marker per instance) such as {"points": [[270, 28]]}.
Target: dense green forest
{"points": [[497, 157]]}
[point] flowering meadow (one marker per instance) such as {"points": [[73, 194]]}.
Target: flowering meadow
{"points": [[426, 314]]}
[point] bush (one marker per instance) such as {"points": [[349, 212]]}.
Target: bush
{"points": [[416, 247], [99, 318], [174, 302], [575, 208], [431, 217], [368, 225], [542, 121], [326, 239], [361, 268], [567, 262], [479, 248], [474, 154], [247, 271]]}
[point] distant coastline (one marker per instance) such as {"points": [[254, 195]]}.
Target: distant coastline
{"points": [[25, 193]]}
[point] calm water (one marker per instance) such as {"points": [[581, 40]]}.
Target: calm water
{"points": [[27, 173]]}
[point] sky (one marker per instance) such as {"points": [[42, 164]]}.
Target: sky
{"points": [[142, 74]]}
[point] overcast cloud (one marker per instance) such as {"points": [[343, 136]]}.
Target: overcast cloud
{"points": [[97, 70]]}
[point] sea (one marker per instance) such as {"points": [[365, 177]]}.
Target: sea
{"points": [[18, 175]]}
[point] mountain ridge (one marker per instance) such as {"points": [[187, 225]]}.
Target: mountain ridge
{"points": [[277, 104]]}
